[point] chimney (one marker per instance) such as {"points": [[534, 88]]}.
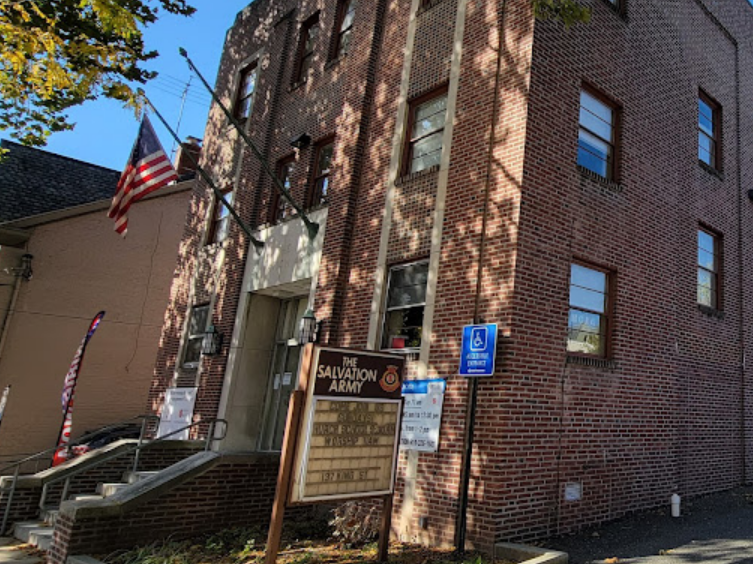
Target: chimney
{"points": [[183, 164]]}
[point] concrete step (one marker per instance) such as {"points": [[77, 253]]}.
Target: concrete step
{"points": [[84, 497], [49, 516], [133, 477], [106, 490], [35, 533], [42, 539]]}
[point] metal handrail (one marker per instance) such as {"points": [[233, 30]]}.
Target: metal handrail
{"points": [[83, 439], [16, 466], [208, 440]]}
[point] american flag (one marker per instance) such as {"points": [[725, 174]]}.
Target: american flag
{"points": [[69, 387], [147, 170]]}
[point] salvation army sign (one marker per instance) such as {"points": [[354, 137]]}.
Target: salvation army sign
{"points": [[341, 373], [349, 431]]}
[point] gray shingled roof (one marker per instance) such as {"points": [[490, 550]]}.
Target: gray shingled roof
{"points": [[33, 181]]}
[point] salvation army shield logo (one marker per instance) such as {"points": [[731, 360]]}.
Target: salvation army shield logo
{"points": [[390, 380]]}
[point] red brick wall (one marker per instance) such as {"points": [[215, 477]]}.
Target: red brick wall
{"points": [[668, 413]]}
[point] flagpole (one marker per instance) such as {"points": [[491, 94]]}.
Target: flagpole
{"points": [[218, 194], [313, 228]]}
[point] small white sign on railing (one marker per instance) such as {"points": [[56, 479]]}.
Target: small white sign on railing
{"points": [[177, 412]]}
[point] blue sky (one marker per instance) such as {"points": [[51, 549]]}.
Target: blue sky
{"points": [[105, 131]]}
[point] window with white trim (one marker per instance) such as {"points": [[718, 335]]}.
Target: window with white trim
{"points": [[197, 326], [404, 310]]}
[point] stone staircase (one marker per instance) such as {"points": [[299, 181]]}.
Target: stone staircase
{"points": [[39, 533]]}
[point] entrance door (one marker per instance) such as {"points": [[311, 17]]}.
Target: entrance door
{"points": [[283, 373]]}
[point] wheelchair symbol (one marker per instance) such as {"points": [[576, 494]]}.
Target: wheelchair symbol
{"points": [[478, 339]]}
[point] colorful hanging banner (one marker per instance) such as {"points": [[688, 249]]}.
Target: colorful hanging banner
{"points": [[69, 389]]}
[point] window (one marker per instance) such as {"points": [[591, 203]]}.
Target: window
{"points": [[245, 98], [218, 230], [426, 126], [281, 209], [709, 131], [588, 322], [596, 137], [345, 16], [322, 168], [309, 34], [708, 269], [406, 298], [197, 325]]}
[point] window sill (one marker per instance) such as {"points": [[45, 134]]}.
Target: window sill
{"points": [[593, 361], [711, 311], [711, 170], [610, 185], [431, 171], [332, 63], [408, 351]]}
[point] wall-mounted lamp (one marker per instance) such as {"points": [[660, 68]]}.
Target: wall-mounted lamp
{"points": [[301, 141], [309, 329], [212, 343], [24, 270]]}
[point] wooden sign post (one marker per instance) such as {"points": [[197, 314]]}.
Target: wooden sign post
{"points": [[341, 435]]}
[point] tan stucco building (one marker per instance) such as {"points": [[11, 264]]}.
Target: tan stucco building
{"points": [[81, 266]]}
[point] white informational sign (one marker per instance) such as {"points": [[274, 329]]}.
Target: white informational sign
{"points": [[177, 412], [422, 414]]}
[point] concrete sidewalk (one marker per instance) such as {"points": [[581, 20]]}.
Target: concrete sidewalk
{"points": [[13, 551], [717, 528]]}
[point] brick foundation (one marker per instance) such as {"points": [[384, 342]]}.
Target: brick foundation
{"points": [[234, 492]]}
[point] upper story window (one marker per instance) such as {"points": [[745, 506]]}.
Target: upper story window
{"points": [[220, 225], [322, 170], [596, 136], [588, 322], [709, 131], [281, 208], [306, 46], [344, 25], [244, 99], [708, 269], [404, 311], [197, 325], [426, 125]]}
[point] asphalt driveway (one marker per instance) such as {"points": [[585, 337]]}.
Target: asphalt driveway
{"points": [[717, 528]]}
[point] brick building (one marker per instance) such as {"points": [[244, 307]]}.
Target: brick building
{"points": [[584, 188]]}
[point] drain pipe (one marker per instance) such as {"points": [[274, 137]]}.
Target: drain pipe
{"points": [[470, 414]]}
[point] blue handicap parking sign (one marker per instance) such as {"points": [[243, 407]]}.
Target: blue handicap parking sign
{"points": [[479, 350]]}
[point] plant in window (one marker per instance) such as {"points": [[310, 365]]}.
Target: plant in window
{"points": [[406, 299]]}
